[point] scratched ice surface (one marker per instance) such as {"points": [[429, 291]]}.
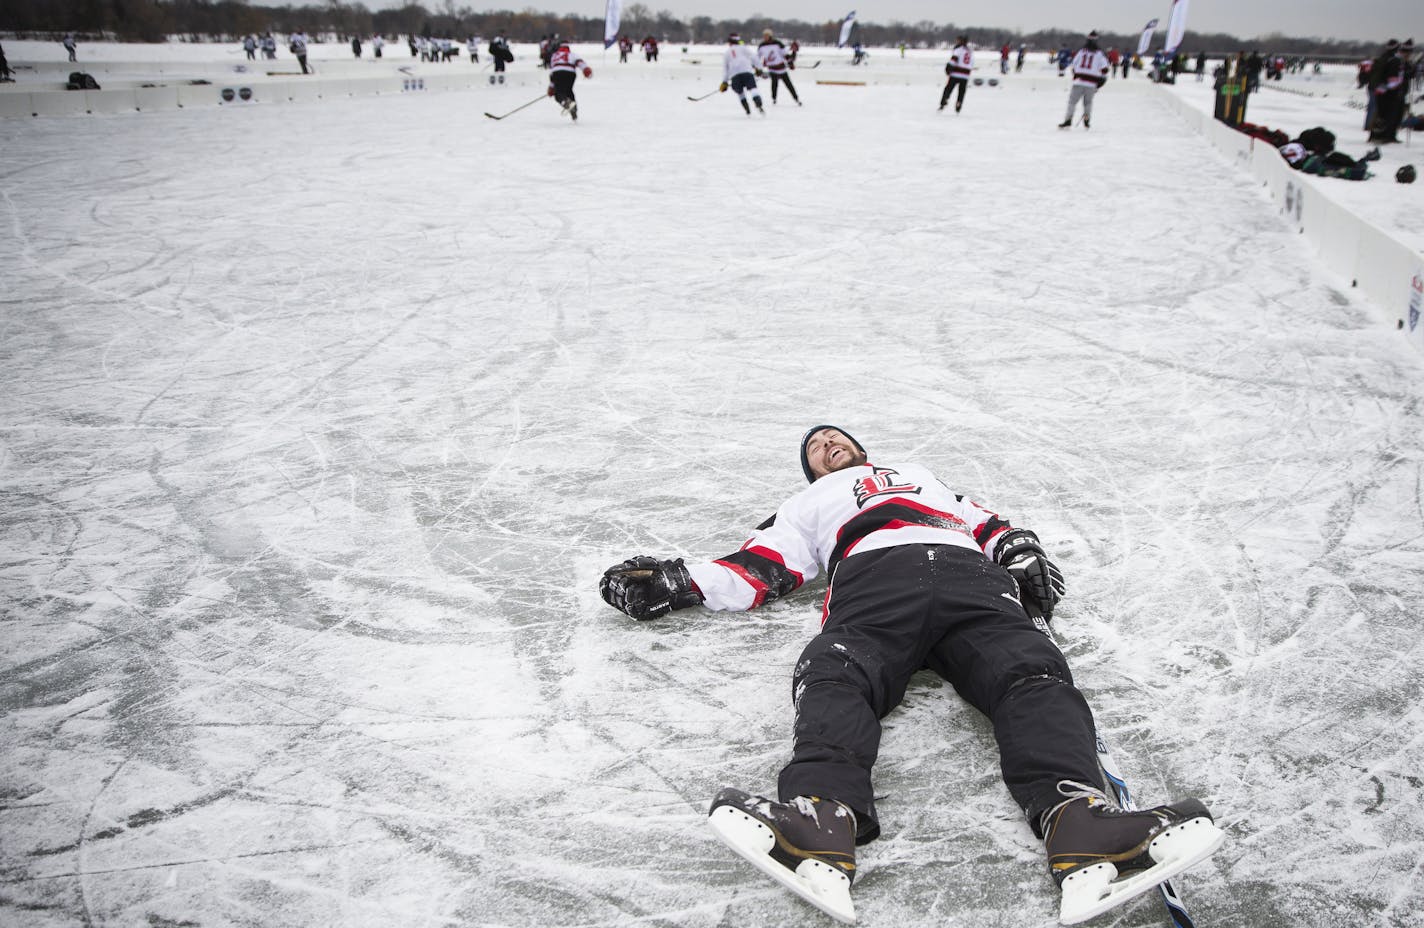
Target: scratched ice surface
{"points": [[318, 424]]}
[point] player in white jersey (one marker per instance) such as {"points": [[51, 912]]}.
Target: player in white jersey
{"points": [[1090, 71], [772, 53], [564, 66], [920, 578], [740, 69], [961, 65]]}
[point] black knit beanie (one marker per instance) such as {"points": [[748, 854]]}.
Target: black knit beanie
{"points": [[805, 464]]}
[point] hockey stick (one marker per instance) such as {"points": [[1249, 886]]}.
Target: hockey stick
{"points": [[704, 96], [1176, 908], [518, 108]]}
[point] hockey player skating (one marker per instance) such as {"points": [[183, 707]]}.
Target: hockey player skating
{"points": [[920, 577], [298, 46], [773, 58], [739, 71], [1090, 71], [564, 66], [960, 66]]}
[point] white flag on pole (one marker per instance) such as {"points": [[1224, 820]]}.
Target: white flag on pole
{"points": [[612, 13], [846, 25], [1146, 39], [1176, 26]]}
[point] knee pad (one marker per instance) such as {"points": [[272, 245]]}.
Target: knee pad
{"points": [[837, 663], [1030, 680]]}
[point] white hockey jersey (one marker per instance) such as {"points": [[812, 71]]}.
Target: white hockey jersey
{"points": [[1090, 67], [773, 56], [738, 59], [840, 515], [961, 61], [564, 59]]}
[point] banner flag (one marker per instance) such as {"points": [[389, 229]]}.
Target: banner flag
{"points": [[612, 14], [846, 25], [1176, 26], [1146, 39]]}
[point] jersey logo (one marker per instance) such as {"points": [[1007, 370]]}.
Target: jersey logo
{"points": [[882, 482]]}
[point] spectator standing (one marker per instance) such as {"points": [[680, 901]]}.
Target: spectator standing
{"points": [[500, 53], [1201, 67], [6, 75], [1004, 58], [1254, 65], [1018, 64], [377, 43], [356, 45], [959, 68], [773, 59], [1390, 89], [1090, 71]]}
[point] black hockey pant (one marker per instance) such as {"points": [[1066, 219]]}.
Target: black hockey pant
{"points": [[898, 610], [743, 84], [782, 79], [563, 83], [961, 83]]}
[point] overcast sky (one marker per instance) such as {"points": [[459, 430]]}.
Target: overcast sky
{"points": [[1347, 19]]}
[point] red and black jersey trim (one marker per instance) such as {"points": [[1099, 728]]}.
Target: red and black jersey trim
{"points": [[985, 531], [894, 514], [764, 571]]}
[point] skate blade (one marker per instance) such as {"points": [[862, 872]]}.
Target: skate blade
{"points": [[1093, 890], [820, 884]]}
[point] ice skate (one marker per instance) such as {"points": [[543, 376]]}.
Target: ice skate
{"points": [[1102, 856], [1086, 123], [806, 845], [573, 111], [1066, 124]]}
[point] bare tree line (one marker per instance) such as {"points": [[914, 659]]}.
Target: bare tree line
{"points": [[227, 20]]}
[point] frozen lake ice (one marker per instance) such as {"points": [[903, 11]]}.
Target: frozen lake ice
{"points": [[318, 424]]}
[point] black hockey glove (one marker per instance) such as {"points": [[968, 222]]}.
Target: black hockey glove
{"points": [[1038, 578], [646, 588]]}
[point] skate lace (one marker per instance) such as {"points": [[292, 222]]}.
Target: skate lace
{"points": [[1072, 791]]}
